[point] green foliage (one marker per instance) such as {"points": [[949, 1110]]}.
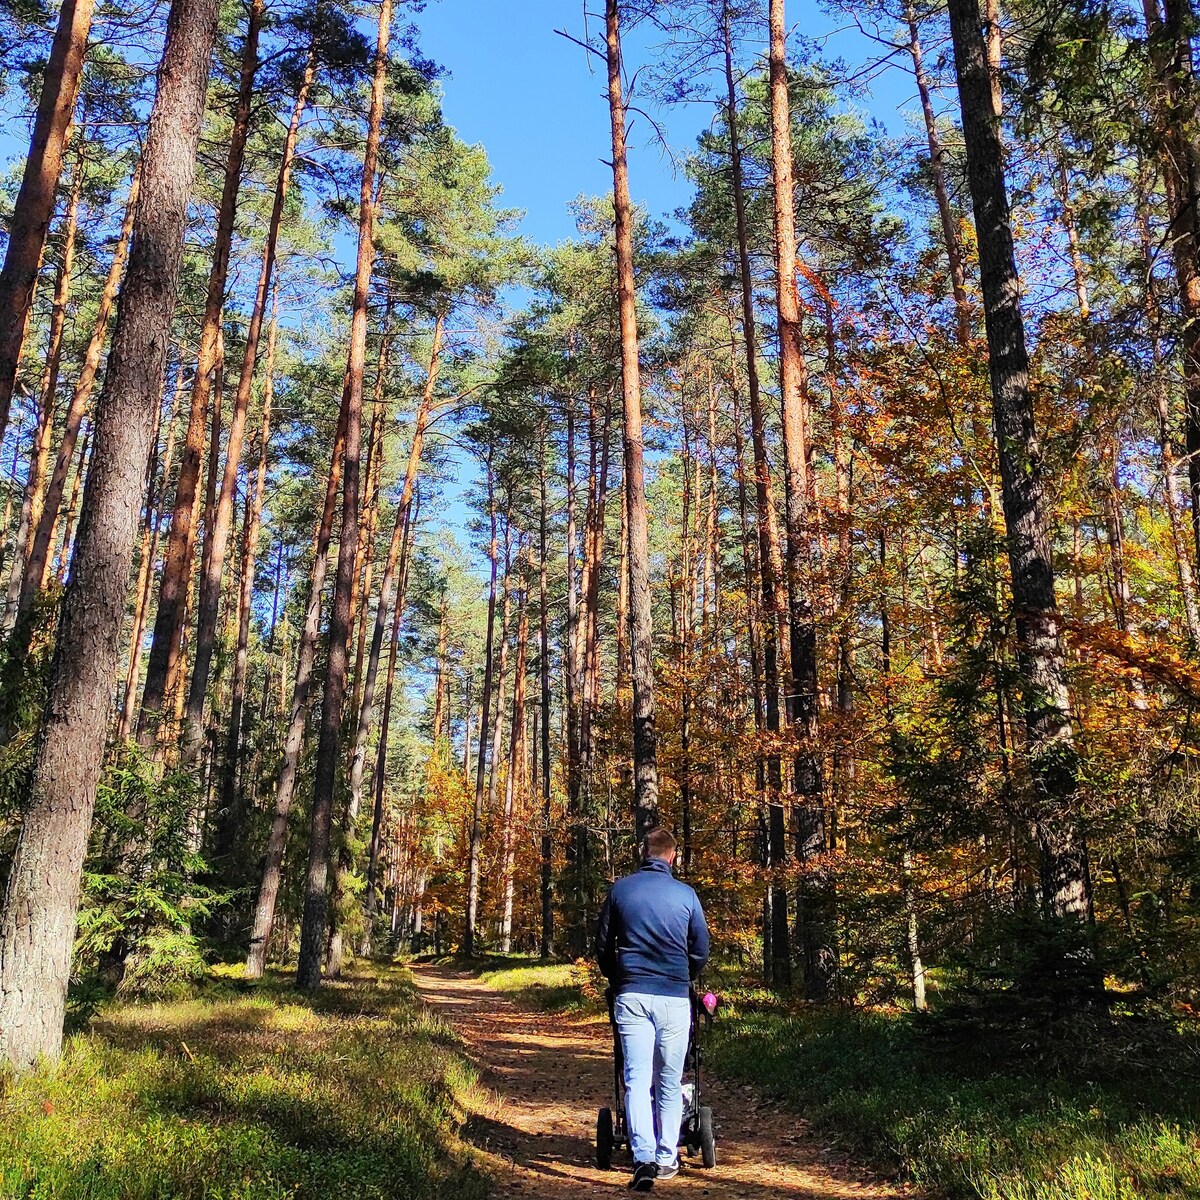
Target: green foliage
{"points": [[1096, 1107], [143, 890], [260, 1096], [552, 987]]}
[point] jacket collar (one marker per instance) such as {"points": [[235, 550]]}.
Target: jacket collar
{"points": [[656, 864]]}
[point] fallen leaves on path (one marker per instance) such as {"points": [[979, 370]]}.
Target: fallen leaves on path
{"points": [[546, 1074]]}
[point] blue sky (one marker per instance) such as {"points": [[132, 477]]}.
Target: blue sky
{"points": [[527, 94]]}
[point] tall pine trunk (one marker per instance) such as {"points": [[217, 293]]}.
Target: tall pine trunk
{"points": [[289, 762], [1047, 703], [770, 556], [316, 900], [38, 567], [475, 852], [814, 919], [37, 924], [163, 665], [34, 207], [645, 740], [217, 542]]}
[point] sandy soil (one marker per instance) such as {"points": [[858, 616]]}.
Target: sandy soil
{"points": [[547, 1074]]}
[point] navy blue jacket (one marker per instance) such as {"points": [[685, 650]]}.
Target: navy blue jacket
{"points": [[652, 937]]}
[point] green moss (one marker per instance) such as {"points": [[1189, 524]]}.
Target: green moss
{"points": [[263, 1095]]}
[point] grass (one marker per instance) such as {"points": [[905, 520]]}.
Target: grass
{"points": [[563, 987], [250, 1093], [1102, 1107], [1097, 1108]]}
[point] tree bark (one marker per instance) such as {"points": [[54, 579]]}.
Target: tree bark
{"points": [[516, 738], [1047, 703], [31, 507], [316, 901], [289, 764], [233, 803], [814, 917], [941, 190], [41, 899], [34, 207], [546, 947], [387, 584], [217, 542], [38, 567], [170, 618], [645, 740], [475, 853], [379, 782], [150, 533]]}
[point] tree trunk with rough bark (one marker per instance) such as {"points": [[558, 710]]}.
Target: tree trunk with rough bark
{"points": [[645, 739], [34, 207], [163, 666], [814, 918], [475, 851], [216, 545], [37, 570], [233, 802], [512, 787], [1050, 746], [37, 924], [546, 947], [289, 764]]}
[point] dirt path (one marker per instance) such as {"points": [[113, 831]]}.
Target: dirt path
{"points": [[547, 1074]]}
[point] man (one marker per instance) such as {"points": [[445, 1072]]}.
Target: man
{"points": [[652, 941]]}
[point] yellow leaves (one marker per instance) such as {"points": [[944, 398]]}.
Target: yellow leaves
{"points": [[1155, 659]]}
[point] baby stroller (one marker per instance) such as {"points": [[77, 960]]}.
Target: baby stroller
{"points": [[696, 1128]]}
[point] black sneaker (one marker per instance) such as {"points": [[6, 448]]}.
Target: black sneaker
{"points": [[668, 1172], [644, 1175]]}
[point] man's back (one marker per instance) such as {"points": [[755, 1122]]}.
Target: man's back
{"points": [[652, 936]]}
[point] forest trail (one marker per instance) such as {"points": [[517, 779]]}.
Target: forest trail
{"points": [[547, 1073]]}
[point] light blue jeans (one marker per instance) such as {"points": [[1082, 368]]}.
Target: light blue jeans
{"points": [[654, 1041]]}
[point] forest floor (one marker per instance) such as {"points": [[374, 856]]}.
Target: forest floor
{"points": [[548, 1072], [249, 1092]]}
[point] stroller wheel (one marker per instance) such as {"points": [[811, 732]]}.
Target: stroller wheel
{"points": [[708, 1142], [604, 1138]]}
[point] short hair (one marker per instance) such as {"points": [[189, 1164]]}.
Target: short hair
{"points": [[658, 843]]}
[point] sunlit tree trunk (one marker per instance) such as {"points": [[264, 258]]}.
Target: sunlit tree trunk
{"points": [[393, 566], [34, 207], [475, 850], [217, 540], [547, 846], [38, 566], [941, 190], [513, 785], [380, 778], [233, 803], [316, 900], [163, 667], [1047, 703], [645, 740], [814, 918], [156, 487], [31, 507], [37, 924], [289, 765]]}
